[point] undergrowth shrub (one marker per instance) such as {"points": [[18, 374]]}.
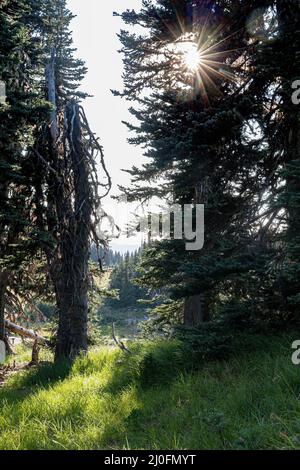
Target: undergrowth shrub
{"points": [[208, 342]]}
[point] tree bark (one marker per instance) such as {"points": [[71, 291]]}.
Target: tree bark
{"points": [[194, 313], [195, 310], [75, 249], [71, 198], [3, 285]]}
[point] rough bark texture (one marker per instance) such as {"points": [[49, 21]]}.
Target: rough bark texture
{"points": [[73, 290], [69, 219], [3, 336], [71, 212], [3, 284]]}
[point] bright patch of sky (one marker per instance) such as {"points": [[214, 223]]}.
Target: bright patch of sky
{"points": [[95, 37]]}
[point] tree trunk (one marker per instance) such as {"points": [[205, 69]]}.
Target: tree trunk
{"points": [[3, 285], [75, 250], [72, 306], [71, 198], [3, 336], [195, 310], [194, 313]]}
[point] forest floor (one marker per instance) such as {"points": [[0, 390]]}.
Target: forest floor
{"points": [[151, 399]]}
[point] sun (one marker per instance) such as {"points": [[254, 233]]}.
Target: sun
{"points": [[189, 53], [199, 62], [192, 56]]}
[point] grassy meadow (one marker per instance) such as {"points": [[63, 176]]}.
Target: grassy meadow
{"points": [[156, 398]]}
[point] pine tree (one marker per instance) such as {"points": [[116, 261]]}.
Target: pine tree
{"points": [[197, 139], [125, 280], [288, 125], [275, 66], [19, 114]]}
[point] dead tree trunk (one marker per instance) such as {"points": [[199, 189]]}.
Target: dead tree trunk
{"points": [[58, 220], [72, 203], [72, 331], [82, 229]]}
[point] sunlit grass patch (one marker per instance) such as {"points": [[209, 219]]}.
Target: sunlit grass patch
{"points": [[151, 399]]}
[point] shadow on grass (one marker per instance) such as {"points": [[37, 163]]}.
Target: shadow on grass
{"points": [[22, 385], [143, 396], [151, 364], [160, 363]]}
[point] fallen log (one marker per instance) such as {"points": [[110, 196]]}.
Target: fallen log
{"points": [[20, 331]]}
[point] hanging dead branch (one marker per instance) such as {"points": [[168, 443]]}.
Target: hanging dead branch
{"points": [[119, 343], [69, 193]]}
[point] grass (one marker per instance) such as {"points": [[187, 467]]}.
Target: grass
{"points": [[149, 401]]}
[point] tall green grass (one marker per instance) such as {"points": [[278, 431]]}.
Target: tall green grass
{"points": [[156, 399]]}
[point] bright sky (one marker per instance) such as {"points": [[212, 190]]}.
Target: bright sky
{"points": [[95, 36]]}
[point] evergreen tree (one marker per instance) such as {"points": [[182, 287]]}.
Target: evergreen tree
{"points": [[196, 130], [124, 280], [286, 65], [20, 113]]}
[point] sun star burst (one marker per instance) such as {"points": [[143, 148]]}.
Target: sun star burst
{"points": [[202, 60]]}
